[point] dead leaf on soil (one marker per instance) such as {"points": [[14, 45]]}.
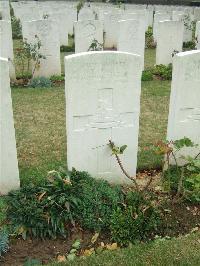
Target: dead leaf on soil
{"points": [[61, 258], [88, 252], [112, 246], [94, 238]]}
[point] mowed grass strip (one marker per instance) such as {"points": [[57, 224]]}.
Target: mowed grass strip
{"points": [[41, 128], [180, 251]]}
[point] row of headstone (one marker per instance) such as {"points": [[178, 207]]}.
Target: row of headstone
{"points": [[103, 103]]}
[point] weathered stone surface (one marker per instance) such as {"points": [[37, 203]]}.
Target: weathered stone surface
{"points": [[103, 102], [9, 174], [157, 18], [48, 33], [169, 41], [86, 32], [132, 37]]}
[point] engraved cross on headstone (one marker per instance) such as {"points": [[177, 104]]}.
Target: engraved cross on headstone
{"points": [[106, 116]]}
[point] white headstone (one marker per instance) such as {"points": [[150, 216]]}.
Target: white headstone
{"points": [[184, 110], [131, 37], [186, 19], [62, 22], [157, 18], [197, 14], [103, 102], [137, 15], [111, 29], [48, 33], [6, 45], [86, 14], [5, 10], [169, 41], [9, 173], [86, 32]]}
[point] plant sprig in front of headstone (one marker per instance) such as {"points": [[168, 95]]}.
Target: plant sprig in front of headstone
{"points": [[29, 57]]}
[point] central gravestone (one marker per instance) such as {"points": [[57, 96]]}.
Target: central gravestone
{"points": [[103, 103]]}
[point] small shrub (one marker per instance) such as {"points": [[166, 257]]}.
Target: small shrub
{"points": [[67, 49], [98, 200], [149, 38], [40, 82], [16, 28], [95, 46], [191, 45], [54, 208], [138, 219], [44, 211], [4, 242], [28, 58], [147, 75], [56, 78], [163, 72]]}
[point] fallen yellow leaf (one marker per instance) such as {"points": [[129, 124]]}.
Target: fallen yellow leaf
{"points": [[88, 252], [112, 246], [94, 238], [61, 258]]}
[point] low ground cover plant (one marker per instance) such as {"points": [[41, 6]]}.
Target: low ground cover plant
{"points": [[161, 72], [78, 200]]}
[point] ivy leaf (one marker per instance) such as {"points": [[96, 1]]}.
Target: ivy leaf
{"points": [[122, 149]]}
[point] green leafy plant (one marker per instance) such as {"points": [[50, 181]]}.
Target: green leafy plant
{"points": [[149, 40], [64, 201], [4, 242], [44, 211], [147, 75], [28, 58], [98, 200], [95, 46], [40, 82], [16, 28], [180, 180], [73, 252], [56, 78], [116, 151], [138, 219], [191, 45], [79, 6], [163, 72], [67, 49]]}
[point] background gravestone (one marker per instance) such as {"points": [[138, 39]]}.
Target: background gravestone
{"points": [[103, 102], [169, 41], [86, 32], [132, 37], [9, 173], [48, 33]]}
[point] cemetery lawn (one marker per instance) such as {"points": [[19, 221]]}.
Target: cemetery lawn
{"points": [[40, 127], [180, 251]]}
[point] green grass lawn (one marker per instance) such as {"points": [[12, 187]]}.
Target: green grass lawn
{"points": [[40, 124], [181, 251]]}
